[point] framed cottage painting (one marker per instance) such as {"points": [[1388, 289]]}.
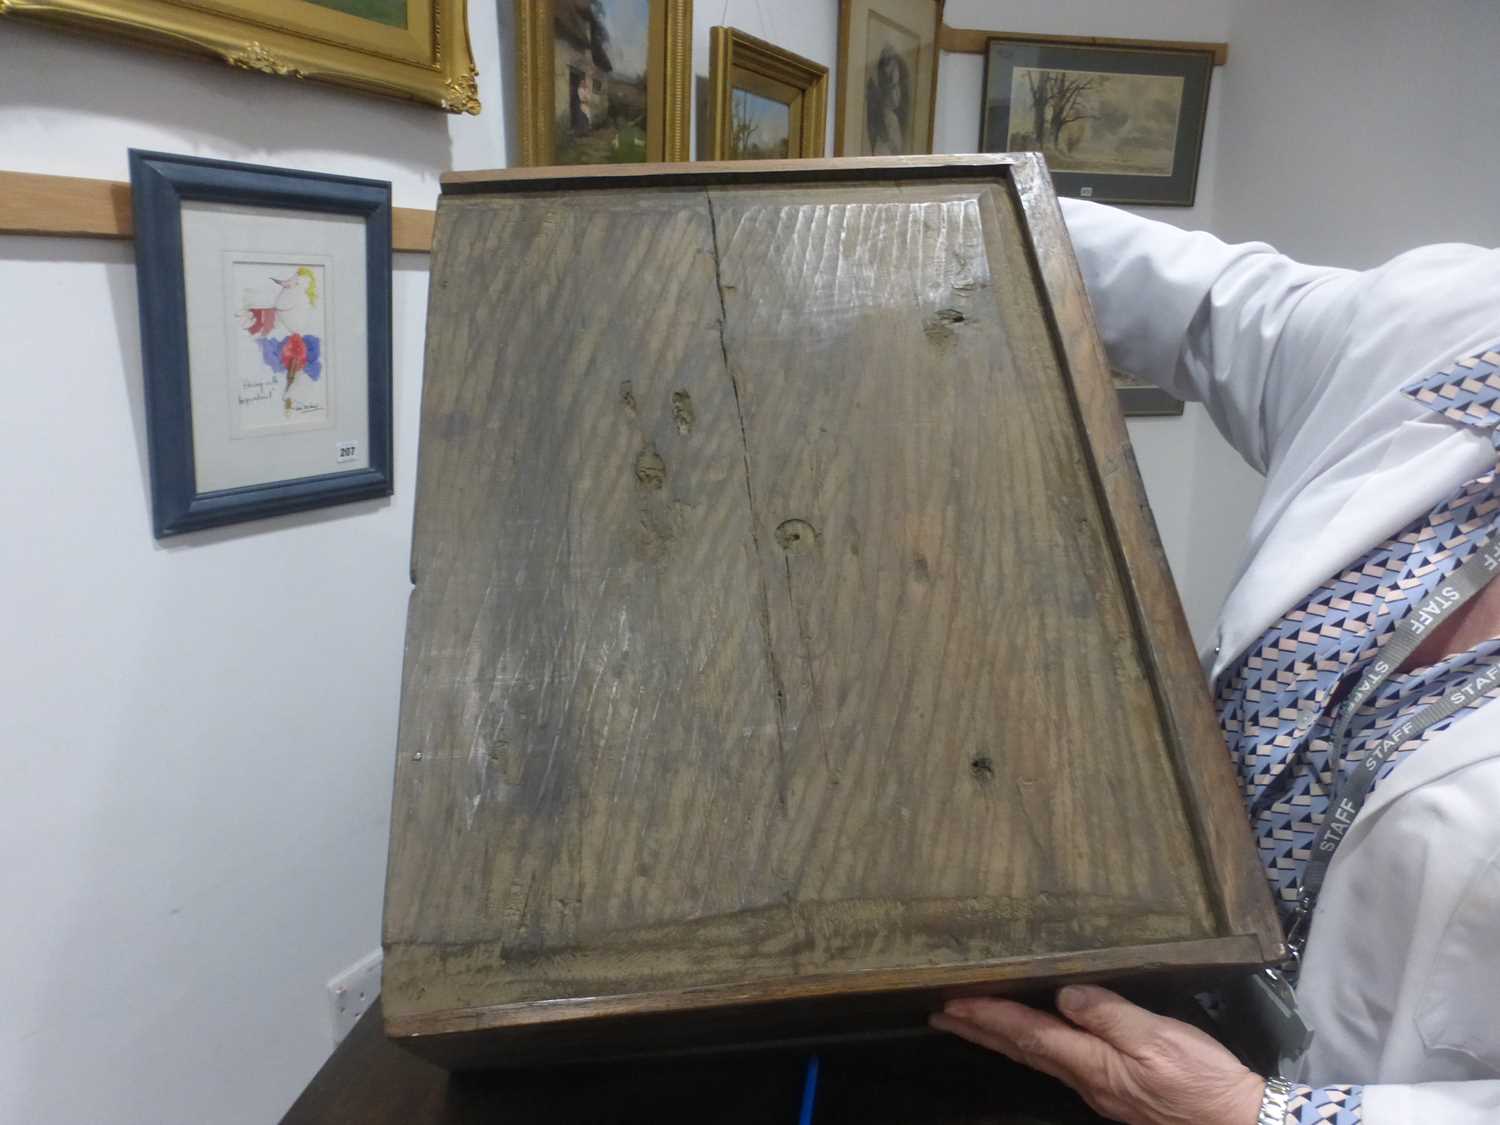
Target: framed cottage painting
{"points": [[265, 299], [767, 102], [887, 77], [1117, 123], [413, 49], [604, 81]]}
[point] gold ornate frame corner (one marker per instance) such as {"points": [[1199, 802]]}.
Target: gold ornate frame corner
{"points": [[428, 61]]}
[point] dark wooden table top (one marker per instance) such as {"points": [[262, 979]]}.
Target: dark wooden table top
{"points": [[928, 1081]]}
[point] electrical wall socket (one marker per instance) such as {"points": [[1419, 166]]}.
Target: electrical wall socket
{"points": [[351, 992]]}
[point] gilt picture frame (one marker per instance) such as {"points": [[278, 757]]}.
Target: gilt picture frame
{"points": [[1119, 122], [604, 81], [887, 77], [768, 103], [265, 307], [412, 49]]}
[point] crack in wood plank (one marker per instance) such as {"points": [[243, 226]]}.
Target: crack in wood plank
{"points": [[765, 595]]}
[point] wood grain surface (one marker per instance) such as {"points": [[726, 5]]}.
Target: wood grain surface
{"points": [[772, 644]]}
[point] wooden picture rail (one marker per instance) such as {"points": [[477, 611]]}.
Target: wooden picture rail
{"points": [[974, 40], [74, 207]]}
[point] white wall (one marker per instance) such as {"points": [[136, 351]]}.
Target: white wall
{"points": [[1355, 129], [197, 736]]}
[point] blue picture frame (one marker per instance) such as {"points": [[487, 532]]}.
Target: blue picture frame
{"points": [[160, 184]]}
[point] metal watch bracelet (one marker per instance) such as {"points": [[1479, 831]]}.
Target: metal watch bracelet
{"points": [[1275, 1102]]}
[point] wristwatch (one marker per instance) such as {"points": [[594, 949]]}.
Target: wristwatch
{"points": [[1275, 1102]]}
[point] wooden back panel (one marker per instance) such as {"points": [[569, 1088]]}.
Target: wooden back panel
{"points": [[775, 638]]}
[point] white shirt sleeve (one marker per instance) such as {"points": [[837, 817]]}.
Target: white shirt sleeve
{"points": [[1242, 329], [1451, 1103]]}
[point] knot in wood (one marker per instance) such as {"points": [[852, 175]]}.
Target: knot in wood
{"points": [[650, 469], [682, 411], [794, 535], [939, 326]]}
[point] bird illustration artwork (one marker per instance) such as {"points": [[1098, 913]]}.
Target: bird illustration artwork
{"points": [[291, 307]]}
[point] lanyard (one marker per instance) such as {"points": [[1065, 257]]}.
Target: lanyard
{"points": [[1349, 797]]}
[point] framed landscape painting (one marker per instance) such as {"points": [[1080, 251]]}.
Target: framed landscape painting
{"points": [[1116, 124], [414, 49], [604, 81], [767, 102], [887, 77], [265, 299]]}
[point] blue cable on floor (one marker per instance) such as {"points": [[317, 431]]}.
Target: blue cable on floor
{"points": [[809, 1091]]}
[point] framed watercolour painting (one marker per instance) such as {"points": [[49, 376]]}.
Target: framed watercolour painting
{"points": [[887, 77], [265, 299], [1117, 124], [604, 81], [767, 102], [414, 49]]}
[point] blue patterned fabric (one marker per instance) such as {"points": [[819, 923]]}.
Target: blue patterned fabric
{"points": [[1333, 1105], [1274, 701], [1468, 391]]}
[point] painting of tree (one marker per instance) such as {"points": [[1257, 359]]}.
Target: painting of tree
{"points": [[1119, 121], [1058, 98], [1094, 121], [759, 127]]}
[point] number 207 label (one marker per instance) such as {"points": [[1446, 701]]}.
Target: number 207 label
{"points": [[347, 451]]}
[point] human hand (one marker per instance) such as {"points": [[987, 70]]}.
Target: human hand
{"points": [[1129, 1064]]}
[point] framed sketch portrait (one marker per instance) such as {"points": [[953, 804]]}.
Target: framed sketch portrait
{"points": [[1117, 124], [604, 81], [265, 300], [767, 102], [414, 49], [887, 76]]}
